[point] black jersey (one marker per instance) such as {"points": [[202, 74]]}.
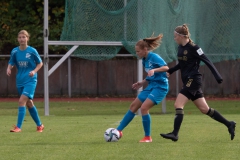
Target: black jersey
{"points": [[189, 57]]}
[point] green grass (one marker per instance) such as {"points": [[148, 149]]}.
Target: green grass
{"points": [[74, 130]]}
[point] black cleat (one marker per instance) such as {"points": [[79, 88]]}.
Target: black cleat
{"points": [[170, 136], [231, 129]]}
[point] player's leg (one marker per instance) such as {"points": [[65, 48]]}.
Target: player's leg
{"points": [[135, 105], [155, 97], [205, 109], [30, 89], [180, 102], [34, 114], [146, 119], [21, 113]]}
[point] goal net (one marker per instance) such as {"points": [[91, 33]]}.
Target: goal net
{"points": [[214, 25]]}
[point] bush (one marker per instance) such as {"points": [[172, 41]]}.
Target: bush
{"points": [[28, 15]]}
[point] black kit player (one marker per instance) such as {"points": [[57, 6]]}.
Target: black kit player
{"points": [[189, 57]]}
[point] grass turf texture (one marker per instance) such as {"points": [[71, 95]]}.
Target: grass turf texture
{"points": [[74, 130]]}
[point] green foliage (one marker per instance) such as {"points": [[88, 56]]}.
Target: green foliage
{"points": [[28, 15]]}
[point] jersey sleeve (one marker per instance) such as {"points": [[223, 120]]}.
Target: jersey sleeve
{"points": [[200, 55], [12, 60], [37, 58], [173, 69], [158, 61]]}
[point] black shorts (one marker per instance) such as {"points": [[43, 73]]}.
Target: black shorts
{"points": [[192, 88]]}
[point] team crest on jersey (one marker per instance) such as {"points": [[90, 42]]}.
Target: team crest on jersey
{"points": [[185, 52], [28, 55]]}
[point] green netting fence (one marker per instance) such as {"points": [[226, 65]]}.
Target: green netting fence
{"points": [[214, 25]]}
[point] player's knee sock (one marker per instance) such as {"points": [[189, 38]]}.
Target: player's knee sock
{"points": [[21, 115], [146, 121], [178, 121], [126, 120], [218, 117], [34, 114]]}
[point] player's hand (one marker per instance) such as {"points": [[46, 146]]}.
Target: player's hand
{"points": [[151, 73], [168, 75], [9, 72], [31, 73], [137, 85], [220, 81]]}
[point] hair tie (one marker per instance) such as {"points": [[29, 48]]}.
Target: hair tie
{"points": [[180, 34]]}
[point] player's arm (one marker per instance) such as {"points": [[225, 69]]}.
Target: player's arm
{"points": [[38, 60], [202, 57], [39, 66], [9, 68], [11, 63], [138, 85], [155, 70], [173, 69], [159, 66]]}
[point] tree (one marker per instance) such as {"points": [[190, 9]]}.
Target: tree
{"points": [[28, 15]]}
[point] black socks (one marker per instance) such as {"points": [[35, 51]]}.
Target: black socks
{"points": [[218, 117], [178, 120], [212, 113]]}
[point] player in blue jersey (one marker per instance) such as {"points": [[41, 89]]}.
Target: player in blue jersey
{"points": [[156, 90], [28, 62]]}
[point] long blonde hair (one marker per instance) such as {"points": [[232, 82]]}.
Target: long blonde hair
{"points": [[151, 43]]}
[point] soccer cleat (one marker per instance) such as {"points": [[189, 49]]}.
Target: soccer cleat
{"points": [[170, 136], [15, 129], [121, 134], [40, 128], [146, 139], [231, 129]]}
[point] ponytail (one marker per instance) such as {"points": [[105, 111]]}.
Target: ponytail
{"points": [[151, 43]]}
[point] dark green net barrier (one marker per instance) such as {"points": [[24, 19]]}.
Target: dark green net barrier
{"points": [[214, 25]]}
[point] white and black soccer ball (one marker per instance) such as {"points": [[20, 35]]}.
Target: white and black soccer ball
{"points": [[111, 135]]}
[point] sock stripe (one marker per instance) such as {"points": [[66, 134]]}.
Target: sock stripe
{"points": [[178, 121], [210, 112], [179, 111]]}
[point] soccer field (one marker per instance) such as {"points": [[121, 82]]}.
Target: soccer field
{"points": [[74, 130]]}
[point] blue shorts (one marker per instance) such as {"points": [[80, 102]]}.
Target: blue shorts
{"points": [[155, 92], [27, 90]]}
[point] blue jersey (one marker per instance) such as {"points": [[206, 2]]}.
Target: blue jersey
{"points": [[25, 61], [153, 61]]}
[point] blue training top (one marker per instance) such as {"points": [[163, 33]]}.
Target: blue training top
{"points": [[153, 61], [25, 61]]}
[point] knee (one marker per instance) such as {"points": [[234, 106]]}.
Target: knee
{"points": [[29, 104], [177, 105], [204, 110], [144, 110], [21, 102]]}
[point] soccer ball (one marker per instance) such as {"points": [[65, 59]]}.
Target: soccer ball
{"points": [[111, 135]]}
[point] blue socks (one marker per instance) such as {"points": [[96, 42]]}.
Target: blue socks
{"points": [[126, 120], [34, 113], [146, 121], [21, 115]]}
